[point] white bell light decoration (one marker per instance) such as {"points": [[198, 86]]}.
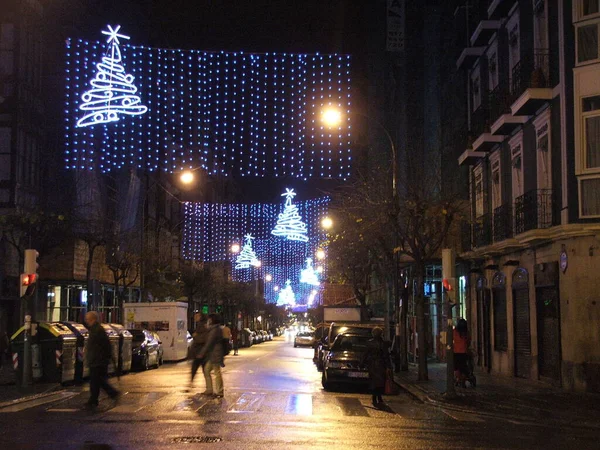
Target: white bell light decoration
{"points": [[112, 93], [289, 224]]}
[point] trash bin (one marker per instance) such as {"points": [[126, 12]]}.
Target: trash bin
{"points": [[53, 348], [125, 347], [113, 337], [81, 333]]}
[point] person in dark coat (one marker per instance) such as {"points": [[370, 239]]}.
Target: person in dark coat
{"points": [[213, 355], [377, 359], [98, 358], [200, 335]]}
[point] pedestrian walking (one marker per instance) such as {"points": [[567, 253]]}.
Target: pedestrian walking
{"points": [[212, 353], [200, 335], [461, 349], [377, 359], [235, 340], [226, 341], [98, 358]]}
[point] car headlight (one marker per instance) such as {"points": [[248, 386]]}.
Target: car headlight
{"points": [[334, 364]]}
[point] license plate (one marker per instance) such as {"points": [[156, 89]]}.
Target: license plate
{"points": [[358, 374]]}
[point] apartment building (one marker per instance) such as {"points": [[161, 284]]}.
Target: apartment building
{"points": [[533, 91]]}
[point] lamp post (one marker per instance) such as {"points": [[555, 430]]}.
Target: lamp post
{"points": [[333, 117]]}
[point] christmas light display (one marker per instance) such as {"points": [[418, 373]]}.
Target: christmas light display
{"points": [[113, 92], [289, 223], [210, 229], [247, 256], [227, 112], [286, 295], [309, 275]]}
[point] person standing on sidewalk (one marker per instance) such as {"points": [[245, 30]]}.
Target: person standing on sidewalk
{"points": [[234, 338], [461, 349], [212, 353], [98, 358], [377, 359], [200, 335]]}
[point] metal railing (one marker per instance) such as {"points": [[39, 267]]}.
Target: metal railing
{"points": [[499, 102], [503, 222], [482, 231], [534, 210], [480, 121], [532, 71]]}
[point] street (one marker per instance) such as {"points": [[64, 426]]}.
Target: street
{"points": [[273, 399]]}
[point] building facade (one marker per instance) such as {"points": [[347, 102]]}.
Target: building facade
{"points": [[533, 101]]}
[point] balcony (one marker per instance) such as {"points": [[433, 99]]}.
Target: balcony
{"points": [[484, 31], [498, 9], [468, 56], [503, 122], [531, 84], [482, 231], [503, 222], [470, 157], [535, 210]]}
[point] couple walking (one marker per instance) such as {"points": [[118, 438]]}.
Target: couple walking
{"points": [[208, 351]]}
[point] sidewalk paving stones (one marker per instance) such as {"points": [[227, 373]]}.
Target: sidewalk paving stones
{"points": [[505, 397]]}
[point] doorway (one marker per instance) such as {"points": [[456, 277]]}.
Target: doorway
{"points": [[547, 300], [521, 320]]}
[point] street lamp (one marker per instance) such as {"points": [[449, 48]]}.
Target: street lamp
{"points": [[235, 248], [268, 277], [187, 177], [320, 254], [327, 223], [332, 117]]}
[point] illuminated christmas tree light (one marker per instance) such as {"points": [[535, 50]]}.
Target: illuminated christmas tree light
{"points": [[286, 295], [112, 92], [289, 224], [309, 275], [247, 256]]}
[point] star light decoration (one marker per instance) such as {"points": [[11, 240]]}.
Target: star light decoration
{"points": [[112, 93], [247, 256], [289, 224], [230, 113]]}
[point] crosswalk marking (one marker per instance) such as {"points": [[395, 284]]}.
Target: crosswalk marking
{"points": [[143, 400], [38, 401], [248, 402]]}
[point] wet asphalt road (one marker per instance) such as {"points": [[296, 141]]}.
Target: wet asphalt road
{"points": [[273, 400]]}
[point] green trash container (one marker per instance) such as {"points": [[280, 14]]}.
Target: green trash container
{"points": [[113, 337], [125, 347], [82, 370]]}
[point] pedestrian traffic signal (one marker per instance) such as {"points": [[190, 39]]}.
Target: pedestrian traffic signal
{"points": [[28, 284]]}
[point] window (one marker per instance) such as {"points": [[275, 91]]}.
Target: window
{"points": [[478, 192], [517, 171], [476, 88], [589, 197], [588, 7], [492, 58], [591, 132], [544, 161], [587, 43], [496, 184]]}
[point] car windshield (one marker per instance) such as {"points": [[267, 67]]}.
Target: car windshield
{"points": [[305, 334], [350, 343], [138, 335], [363, 331]]}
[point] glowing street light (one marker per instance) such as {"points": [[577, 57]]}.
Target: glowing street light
{"points": [[320, 269], [320, 254], [327, 223], [276, 288], [268, 277], [235, 248], [187, 177], [331, 117], [257, 263]]}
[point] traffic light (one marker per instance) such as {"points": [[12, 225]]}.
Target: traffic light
{"points": [[28, 284], [29, 277]]}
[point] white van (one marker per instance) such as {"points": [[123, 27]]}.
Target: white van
{"points": [[167, 319]]}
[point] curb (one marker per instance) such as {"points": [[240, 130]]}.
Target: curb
{"points": [[48, 392]]}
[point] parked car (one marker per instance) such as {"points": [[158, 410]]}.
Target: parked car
{"points": [[335, 328], [304, 339], [269, 334], [258, 338], [343, 363], [247, 339], [147, 349], [265, 335]]}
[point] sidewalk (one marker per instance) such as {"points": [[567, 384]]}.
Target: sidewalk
{"points": [[506, 397], [9, 391]]}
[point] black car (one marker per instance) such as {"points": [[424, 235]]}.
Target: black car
{"points": [[343, 362], [336, 328], [147, 349]]}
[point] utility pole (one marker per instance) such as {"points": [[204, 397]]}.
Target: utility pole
{"points": [[449, 282]]}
